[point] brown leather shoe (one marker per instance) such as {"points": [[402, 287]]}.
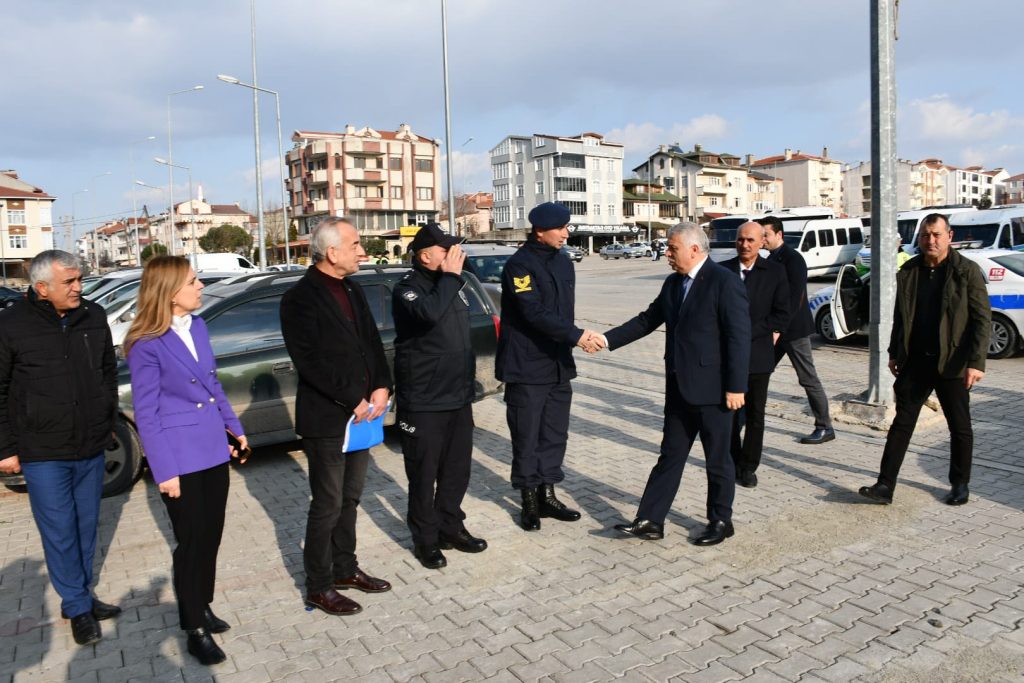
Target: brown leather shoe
{"points": [[363, 582], [333, 602]]}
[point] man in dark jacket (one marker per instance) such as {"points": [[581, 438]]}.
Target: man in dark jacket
{"points": [[435, 371], [333, 341], [940, 335], [795, 341], [768, 294], [58, 403], [534, 359]]}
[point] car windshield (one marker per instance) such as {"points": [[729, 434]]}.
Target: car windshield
{"points": [[1012, 262], [792, 240], [488, 268], [984, 233], [906, 229], [723, 230]]}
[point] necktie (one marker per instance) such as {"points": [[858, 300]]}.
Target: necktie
{"points": [[744, 273], [687, 281]]}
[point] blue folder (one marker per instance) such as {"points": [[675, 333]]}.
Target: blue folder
{"points": [[366, 434]]}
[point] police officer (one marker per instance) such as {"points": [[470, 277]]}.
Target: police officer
{"points": [[435, 371], [535, 361]]}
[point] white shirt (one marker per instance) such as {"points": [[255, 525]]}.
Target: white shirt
{"points": [[181, 324]]}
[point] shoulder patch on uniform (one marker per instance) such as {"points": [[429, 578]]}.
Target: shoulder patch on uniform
{"points": [[522, 284], [410, 295]]}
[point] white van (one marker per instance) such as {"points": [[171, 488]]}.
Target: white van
{"points": [[991, 228], [224, 262], [722, 231], [826, 244], [908, 225]]}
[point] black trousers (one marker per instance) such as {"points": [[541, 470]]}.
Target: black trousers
{"points": [[683, 422], [197, 517], [336, 481], [746, 451], [912, 387], [538, 420], [438, 451]]}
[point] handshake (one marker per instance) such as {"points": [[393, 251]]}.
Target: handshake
{"points": [[592, 341]]}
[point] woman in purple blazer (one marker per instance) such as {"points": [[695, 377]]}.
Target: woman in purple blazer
{"points": [[183, 418]]}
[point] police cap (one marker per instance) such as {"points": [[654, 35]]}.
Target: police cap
{"points": [[549, 215], [430, 235]]}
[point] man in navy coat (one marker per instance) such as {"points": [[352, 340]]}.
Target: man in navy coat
{"points": [[707, 356]]}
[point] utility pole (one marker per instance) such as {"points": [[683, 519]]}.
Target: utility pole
{"points": [[883, 196]]}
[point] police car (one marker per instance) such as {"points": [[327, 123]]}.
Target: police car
{"points": [[847, 314]]}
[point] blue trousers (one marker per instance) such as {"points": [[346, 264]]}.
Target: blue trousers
{"points": [[538, 422], [65, 500]]}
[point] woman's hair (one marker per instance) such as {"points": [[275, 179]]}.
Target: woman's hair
{"points": [[162, 277]]}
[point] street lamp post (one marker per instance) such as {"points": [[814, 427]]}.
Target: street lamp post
{"points": [[447, 116], [170, 155], [191, 207], [284, 166], [92, 205], [73, 226], [135, 216], [152, 239], [256, 137]]}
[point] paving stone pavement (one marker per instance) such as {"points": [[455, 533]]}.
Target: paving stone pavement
{"points": [[815, 586]]}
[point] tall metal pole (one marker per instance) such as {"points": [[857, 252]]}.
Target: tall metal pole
{"points": [[883, 196], [284, 174], [170, 164], [73, 214], [192, 220], [92, 206], [256, 136], [135, 216], [447, 117]]}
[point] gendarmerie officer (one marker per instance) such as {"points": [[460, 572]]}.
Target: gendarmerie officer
{"points": [[535, 361], [435, 369]]}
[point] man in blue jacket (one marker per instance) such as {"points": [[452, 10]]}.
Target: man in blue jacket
{"points": [[535, 361], [707, 356]]}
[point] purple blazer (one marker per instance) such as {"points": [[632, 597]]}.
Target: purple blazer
{"points": [[180, 408]]}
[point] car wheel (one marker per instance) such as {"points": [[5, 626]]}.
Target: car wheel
{"points": [[1003, 341], [825, 326], [648, 254], [123, 460], [604, 256]]}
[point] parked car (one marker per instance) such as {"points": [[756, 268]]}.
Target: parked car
{"points": [[838, 317], [619, 250], [908, 225], [486, 260], [575, 253], [8, 296], [255, 370], [640, 249], [222, 261]]}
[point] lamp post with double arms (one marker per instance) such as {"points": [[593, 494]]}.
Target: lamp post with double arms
{"points": [[135, 215], [92, 205], [191, 206], [170, 153]]}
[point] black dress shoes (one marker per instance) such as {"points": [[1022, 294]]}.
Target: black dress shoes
{"points": [[202, 646], [362, 581], [550, 506], [530, 518], [430, 556], [333, 602], [746, 479], [958, 495], [85, 629], [100, 610], [464, 542], [819, 436], [642, 528], [715, 533], [878, 492], [214, 624]]}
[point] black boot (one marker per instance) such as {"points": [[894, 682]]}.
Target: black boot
{"points": [[552, 507], [202, 646], [531, 510]]}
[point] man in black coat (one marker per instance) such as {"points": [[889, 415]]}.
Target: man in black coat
{"points": [[58, 404], [768, 294], [796, 339], [435, 372], [333, 341], [707, 357], [534, 359]]}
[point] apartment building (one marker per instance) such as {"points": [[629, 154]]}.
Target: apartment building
{"points": [[203, 216], [26, 223], [1013, 190], [973, 184], [382, 179], [583, 172], [710, 184], [809, 180], [647, 205], [857, 189], [472, 214]]}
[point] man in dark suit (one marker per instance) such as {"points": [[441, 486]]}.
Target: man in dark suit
{"points": [[707, 354], [796, 339], [333, 341], [768, 293]]}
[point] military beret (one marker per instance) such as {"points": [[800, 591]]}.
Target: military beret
{"points": [[549, 215]]}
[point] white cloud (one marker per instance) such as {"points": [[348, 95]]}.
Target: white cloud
{"points": [[641, 138], [941, 119]]}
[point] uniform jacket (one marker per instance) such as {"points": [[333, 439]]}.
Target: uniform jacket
{"points": [[58, 381], [180, 409], [800, 322], [965, 321], [435, 367], [768, 295], [339, 363], [707, 340], [538, 300]]}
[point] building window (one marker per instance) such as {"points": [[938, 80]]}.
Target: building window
{"points": [[361, 191], [424, 193], [501, 193], [500, 170], [338, 194], [714, 180], [576, 208], [519, 168], [359, 162], [18, 241], [540, 187], [714, 201], [661, 163], [298, 198], [394, 163], [611, 210], [16, 216], [422, 218], [519, 147], [539, 141], [597, 209], [501, 214], [611, 165], [520, 191], [736, 203], [424, 165], [396, 191], [520, 213], [538, 165], [377, 191], [570, 184]]}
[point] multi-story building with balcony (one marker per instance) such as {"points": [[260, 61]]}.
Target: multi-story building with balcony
{"points": [[1013, 190], [857, 189], [26, 223], [973, 184], [809, 180], [381, 179], [583, 172], [647, 205]]}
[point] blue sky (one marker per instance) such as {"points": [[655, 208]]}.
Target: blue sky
{"points": [[744, 76]]}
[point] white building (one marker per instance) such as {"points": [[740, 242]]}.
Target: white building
{"points": [[970, 185], [857, 190], [584, 173], [26, 223], [809, 180]]}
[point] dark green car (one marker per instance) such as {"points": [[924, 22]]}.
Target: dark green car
{"points": [[254, 368]]}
